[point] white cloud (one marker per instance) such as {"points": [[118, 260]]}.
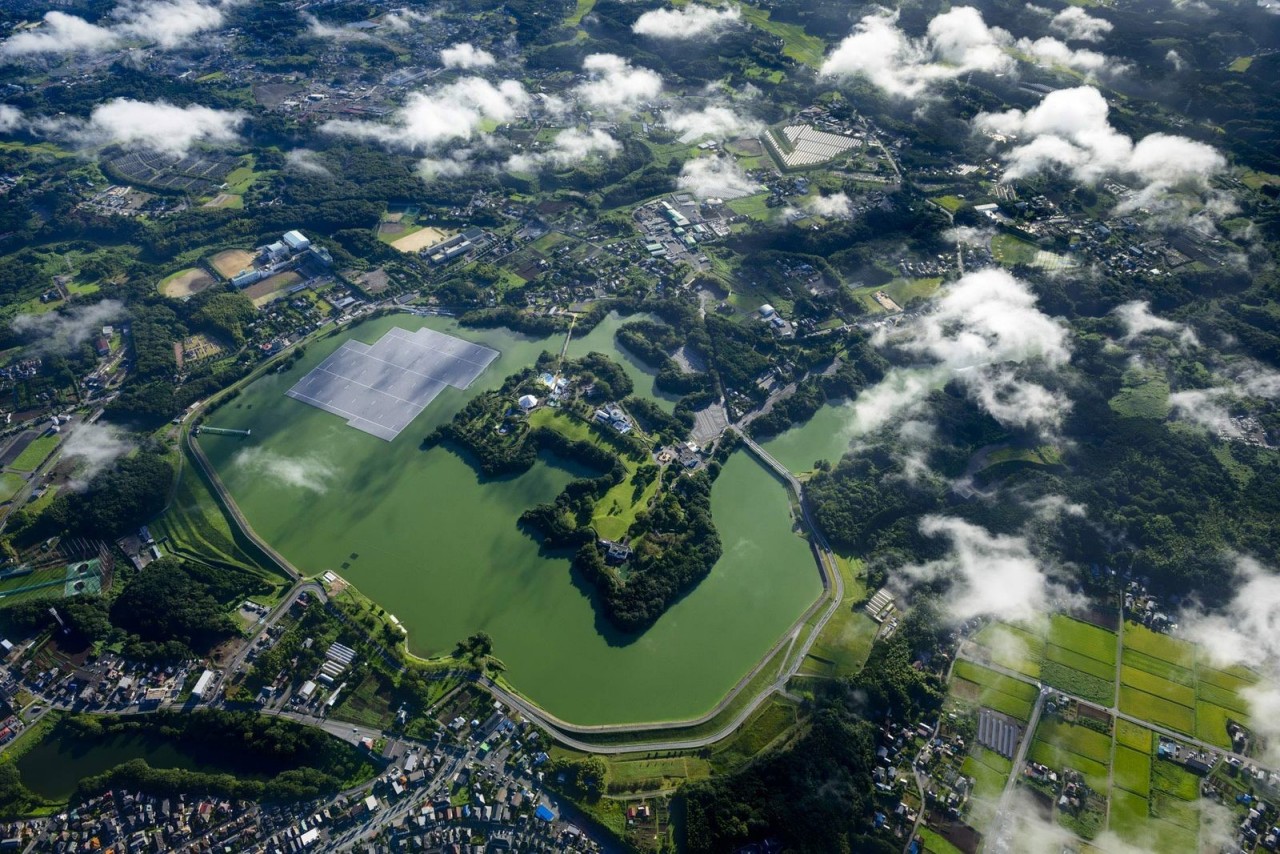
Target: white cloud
{"points": [[306, 160], [64, 331], [1211, 407], [569, 148], [614, 85], [429, 119], [834, 206], [166, 23], [982, 327], [1070, 130], [455, 164], [95, 446], [466, 55], [1247, 631], [10, 118], [1175, 59], [717, 122], [403, 20], [956, 42], [1075, 23], [715, 178], [157, 126], [1052, 52], [691, 22], [311, 473], [988, 573], [337, 32], [1138, 320]]}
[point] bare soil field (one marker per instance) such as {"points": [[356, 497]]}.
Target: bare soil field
{"points": [[269, 289], [231, 261], [422, 239], [186, 283]]}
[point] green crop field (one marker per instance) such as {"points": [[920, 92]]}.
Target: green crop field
{"points": [[1084, 663], [796, 43], [989, 771], [1080, 684], [1133, 770], [1082, 638], [1222, 697], [1156, 709], [1159, 667], [1012, 647], [1223, 679], [1010, 251], [1077, 739], [1211, 723], [1131, 735], [33, 454], [1174, 779], [10, 483], [988, 688], [1175, 810], [1159, 646], [1095, 773], [1129, 814], [1183, 695]]}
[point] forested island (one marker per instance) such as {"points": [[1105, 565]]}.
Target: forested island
{"points": [[669, 543]]}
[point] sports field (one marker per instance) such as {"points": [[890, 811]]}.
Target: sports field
{"points": [[231, 261], [185, 283], [423, 238]]}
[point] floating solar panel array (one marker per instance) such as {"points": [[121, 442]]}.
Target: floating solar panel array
{"points": [[379, 388]]}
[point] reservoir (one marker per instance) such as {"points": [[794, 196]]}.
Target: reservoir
{"points": [[423, 534], [54, 767]]}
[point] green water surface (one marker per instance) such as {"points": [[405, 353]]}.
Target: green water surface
{"points": [[423, 534]]}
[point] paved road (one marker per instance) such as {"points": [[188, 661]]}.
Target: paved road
{"points": [[1172, 735], [1004, 819]]}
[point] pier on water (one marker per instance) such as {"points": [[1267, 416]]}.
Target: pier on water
{"points": [[222, 431]]}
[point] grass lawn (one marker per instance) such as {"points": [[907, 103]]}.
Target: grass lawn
{"points": [[950, 204], [35, 508], [774, 719], [1131, 735], [1009, 250], [1145, 394], [634, 775], [935, 844], [846, 639], [1083, 638], [1241, 64], [33, 454], [1164, 669], [986, 688], [10, 483], [1084, 663], [1158, 645], [796, 43], [581, 11], [1183, 695], [1158, 710], [1133, 770], [752, 206]]}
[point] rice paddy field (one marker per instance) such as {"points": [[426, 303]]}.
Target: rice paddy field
{"points": [[1168, 681], [1069, 654]]}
